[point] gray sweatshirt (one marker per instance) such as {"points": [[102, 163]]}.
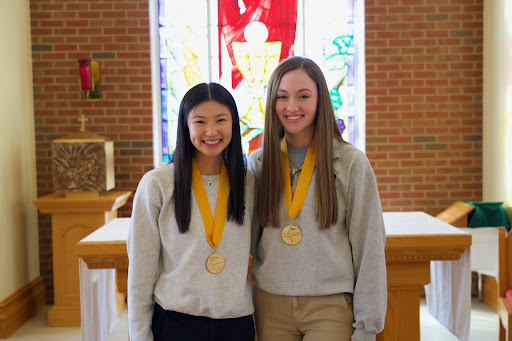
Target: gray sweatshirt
{"points": [[346, 258], [170, 268]]}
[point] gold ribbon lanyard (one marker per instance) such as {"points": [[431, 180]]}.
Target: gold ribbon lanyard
{"points": [[213, 227], [292, 234]]}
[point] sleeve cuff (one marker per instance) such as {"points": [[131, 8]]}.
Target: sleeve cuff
{"points": [[362, 335]]}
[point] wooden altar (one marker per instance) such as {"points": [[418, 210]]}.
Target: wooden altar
{"points": [[72, 220], [413, 240], [106, 249]]}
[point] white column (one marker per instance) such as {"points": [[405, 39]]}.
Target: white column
{"points": [[497, 102]]}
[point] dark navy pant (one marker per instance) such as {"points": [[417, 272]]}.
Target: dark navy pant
{"points": [[174, 326]]}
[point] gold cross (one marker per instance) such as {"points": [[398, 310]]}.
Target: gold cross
{"points": [[82, 119]]}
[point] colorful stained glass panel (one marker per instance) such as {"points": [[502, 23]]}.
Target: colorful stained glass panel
{"points": [[193, 48]]}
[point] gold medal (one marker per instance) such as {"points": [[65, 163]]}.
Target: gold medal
{"points": [[215, 263], [213, 227], [291, 234]]}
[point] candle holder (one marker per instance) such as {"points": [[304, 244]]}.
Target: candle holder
{"points": [[90, 79]]}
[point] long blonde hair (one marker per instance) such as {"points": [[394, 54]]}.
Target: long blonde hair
{"points": [[326, 130]]}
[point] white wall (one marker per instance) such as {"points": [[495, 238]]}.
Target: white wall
{"points": [[497, 102], [19, 250]]}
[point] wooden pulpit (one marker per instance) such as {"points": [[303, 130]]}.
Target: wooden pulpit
{"points": [[73, 218]]}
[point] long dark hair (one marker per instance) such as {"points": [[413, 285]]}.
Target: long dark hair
{"points": [[185, 150], [326, 128]]}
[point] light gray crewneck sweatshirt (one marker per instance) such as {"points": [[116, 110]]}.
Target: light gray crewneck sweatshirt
{"points": [[346, 258], [170, 268]]}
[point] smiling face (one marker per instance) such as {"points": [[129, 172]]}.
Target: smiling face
{"points": [[296, 104], [210, 127]]}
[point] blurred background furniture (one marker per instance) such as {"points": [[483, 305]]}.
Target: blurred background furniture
{"points": [[488, 246], [72, 220], [488, 213], [456, 214], [505, 299], [488, 259]]}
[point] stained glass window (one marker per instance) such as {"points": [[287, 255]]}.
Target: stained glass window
{"points": [[239, 43]]}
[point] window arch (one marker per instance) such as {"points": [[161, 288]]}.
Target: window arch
{"points": [[238, 43]]}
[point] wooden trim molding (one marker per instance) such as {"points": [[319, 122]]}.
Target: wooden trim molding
{"points": [[21, 306]]}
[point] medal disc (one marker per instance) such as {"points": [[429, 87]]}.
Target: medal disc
{"points": [[291, 234], [215, 263]]}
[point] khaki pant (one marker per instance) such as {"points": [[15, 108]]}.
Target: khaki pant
{"points": [[307, 318]]}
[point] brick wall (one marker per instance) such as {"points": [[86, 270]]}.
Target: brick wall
{"points": [[424, 101], [424, 96], [116, 34]]}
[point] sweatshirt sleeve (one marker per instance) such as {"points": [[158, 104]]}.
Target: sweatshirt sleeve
{"points": [[143, 248], [367, 237]]}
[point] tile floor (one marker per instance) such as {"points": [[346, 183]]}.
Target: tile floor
{"points": [[484, 326]]}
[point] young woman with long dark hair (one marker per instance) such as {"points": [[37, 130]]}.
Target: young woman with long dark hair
{"points": [[189, 239]]}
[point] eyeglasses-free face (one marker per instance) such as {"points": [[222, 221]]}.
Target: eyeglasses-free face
{"points": [[296, 104], [210, 127]]}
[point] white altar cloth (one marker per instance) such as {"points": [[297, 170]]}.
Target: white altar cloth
{"points": [[447, 298], [448, 295], [98, 287], [115, 230], [97, 302]]}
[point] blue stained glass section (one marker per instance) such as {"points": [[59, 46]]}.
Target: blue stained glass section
{"points": [[163, 74], [165, 140], [165, 125], [165, 116]]}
